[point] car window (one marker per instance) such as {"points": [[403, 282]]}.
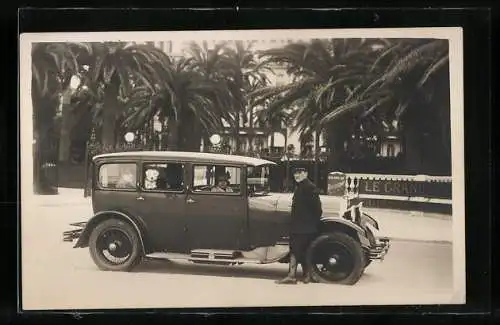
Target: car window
{"points": [[216, 179], [163, 177], [258, 180], [118, 175]]}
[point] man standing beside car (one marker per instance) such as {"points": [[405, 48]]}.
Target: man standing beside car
{"points": [[304, 225]]}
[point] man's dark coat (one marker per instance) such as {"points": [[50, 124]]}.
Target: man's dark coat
{"points": [[306, 209]]}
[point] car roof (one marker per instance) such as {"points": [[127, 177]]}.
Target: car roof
{"points": [[188, 156]]}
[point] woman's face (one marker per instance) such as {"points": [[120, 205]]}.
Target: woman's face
{"points": [[222, 183]]}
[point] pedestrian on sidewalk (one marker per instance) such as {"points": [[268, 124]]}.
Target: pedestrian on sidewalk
{"points": [[304, 225]]}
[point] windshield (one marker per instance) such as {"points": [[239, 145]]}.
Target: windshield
{"points": [[258, 179]]}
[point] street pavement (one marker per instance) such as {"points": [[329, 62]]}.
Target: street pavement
{"points": [[57, 276]]}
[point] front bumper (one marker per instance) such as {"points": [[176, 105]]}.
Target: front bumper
{"points": [[73, 234], [380, 249]]}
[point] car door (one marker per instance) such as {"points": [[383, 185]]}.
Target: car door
{"points": [[216, 219], [162, 200], [116, 186]]}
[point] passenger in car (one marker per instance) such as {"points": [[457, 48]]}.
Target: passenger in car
{"points": [[222, 185], [127, 179]]}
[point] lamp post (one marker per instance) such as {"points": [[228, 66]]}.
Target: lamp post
{"points": [[158, 127]]}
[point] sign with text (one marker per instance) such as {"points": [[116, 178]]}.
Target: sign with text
{"points": [[336, 184], [405, 188]]}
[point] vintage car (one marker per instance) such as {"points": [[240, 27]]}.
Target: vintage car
{"points": [[167, 205]]}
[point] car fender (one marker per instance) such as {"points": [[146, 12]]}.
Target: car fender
{"points": [[350, 227], [83, 240]]}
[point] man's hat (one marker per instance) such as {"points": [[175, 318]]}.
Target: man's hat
{"points": [[300, 170], [222, 177]]}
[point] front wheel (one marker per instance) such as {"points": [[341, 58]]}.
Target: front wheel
{"points": [[115, 246], [336, 258]]}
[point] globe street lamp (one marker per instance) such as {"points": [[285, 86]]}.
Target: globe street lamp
{"points": [[129, 137], [215, 139]]}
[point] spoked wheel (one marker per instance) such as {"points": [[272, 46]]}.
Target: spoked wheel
{"points": [[336, 258], [115, 246]]}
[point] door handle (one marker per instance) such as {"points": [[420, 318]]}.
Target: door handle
{"points": [[190, 200], [139, 198]]}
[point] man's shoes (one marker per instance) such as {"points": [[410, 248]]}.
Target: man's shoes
{"points": [[287, 280], [309, 279], [291, 278]]}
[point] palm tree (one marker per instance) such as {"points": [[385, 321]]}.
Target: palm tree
{"points": [[244, 74], [234, 68], [53, 65], [115, 69], [213, 67], [410, 84], [191, 105], [327, 73]]}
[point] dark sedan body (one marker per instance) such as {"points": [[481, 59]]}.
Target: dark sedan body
{"points": [[206, 208]]}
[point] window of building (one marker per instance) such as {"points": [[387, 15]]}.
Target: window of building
{"points": [[391, 151], [216, 179], [163, 177], [118, 176]]}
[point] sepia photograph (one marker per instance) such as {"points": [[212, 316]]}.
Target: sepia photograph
{"points": [[249, 168]]}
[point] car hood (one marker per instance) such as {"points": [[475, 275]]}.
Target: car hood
{"points": [[332, 206]]}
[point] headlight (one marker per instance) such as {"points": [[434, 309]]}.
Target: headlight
{"points": [[356, 214], [353, 214]]}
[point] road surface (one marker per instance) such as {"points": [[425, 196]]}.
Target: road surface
{"points": [[56, 276]]}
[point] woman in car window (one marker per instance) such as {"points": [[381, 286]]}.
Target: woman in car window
{"points": [[127, 178], [222, 185]]}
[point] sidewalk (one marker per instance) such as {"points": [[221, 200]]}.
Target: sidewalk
{"points": [[414, 226], [66, 196], [395, 224]]}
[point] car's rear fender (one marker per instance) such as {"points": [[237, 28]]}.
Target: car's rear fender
{"points": [[347, 227], [83, 239]]}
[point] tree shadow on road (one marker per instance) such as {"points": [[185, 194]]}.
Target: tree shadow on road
{"points": [[237, 271]]}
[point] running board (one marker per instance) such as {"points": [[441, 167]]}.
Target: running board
{"points": [[211, 254], [211, 258]]}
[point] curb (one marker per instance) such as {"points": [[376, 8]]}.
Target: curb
{"points": [[413, 240], [62, 204], [410, 213]]}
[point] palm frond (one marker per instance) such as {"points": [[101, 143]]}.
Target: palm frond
{"points": [[440, 63], [352, 106]]}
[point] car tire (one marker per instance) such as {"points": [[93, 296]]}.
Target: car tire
{"points": [[345, 252], [125, 240]]}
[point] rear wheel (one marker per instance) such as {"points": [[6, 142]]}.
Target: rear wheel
{"points": [[336, 258], [115, 246]]}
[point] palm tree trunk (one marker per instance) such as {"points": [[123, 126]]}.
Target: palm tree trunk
{"points": [[173, 134], [237, 131], [413, 155], [109, 114], [64, 138], [316, 157], [338, 133], [191, 136]]}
